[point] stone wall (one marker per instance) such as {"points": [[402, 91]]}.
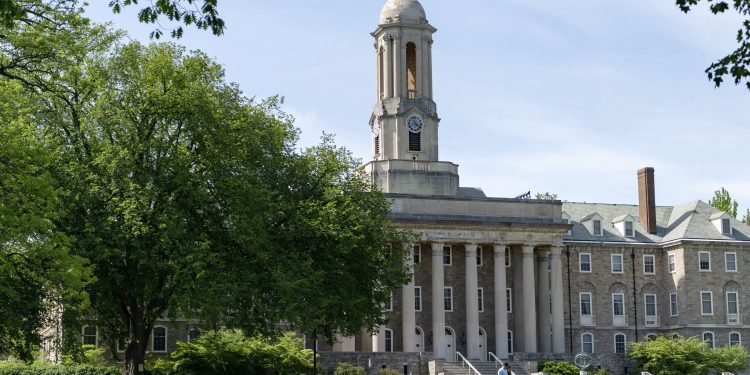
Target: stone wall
{"points": [[617, 363], [416, 363]]}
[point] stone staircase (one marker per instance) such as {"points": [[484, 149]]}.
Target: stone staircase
{"points": [[485, 368]]}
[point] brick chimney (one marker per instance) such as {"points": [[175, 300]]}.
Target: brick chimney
{"points": [[646, 199]]}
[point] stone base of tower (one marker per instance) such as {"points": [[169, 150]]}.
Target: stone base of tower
{"points": [[415, 177]]}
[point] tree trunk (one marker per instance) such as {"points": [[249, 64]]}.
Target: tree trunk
{"points": [[135, 352]]}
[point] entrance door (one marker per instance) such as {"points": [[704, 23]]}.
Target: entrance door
{"points": [[482, 345], [419, 335], [450, 344]]}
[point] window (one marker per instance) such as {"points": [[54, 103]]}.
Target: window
{"points": [[447, 250], [90, 336], [704, 261], [411, 70], [584, 262], [377, 145], [733, 308], [707, 303], [567, 221], [388, 340], [618, 310], [507, 256], [194, 334], [616, 263], [673, 304], [649, 305], [651, 337], [597, 227], [587, 317], [730, 262], [619, 343], [448, 299], [708, 338], [726, 226], [735, 338], [415, 141], [587, 343], [479, 256], [648, 264], [417, 254], [672, 265], [418, 298], [510, 342], [159, 339], [480, 297], [389, 303], [629, 229], [508, 300]]}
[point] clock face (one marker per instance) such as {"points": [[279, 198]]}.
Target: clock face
{"points": [[415, 123]]}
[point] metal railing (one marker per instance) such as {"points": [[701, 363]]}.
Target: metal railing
{"points": [[491, 357], [465, 362]]}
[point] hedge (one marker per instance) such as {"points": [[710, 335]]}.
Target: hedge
{"points": [[45, 369]]}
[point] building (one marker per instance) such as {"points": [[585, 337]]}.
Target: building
{"points": [[533, 276]]}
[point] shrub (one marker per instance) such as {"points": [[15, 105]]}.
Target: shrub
{"points": [[389, 371], [600, 371], [348, 369], [559, 368], [50, 369]]}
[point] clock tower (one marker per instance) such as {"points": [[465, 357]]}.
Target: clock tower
{"points": [[404, 121]]}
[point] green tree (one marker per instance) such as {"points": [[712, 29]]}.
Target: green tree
{"points": [[37, 273], [746, 217], [737, 63], [724, 202], [672, 356], [558, 368], [546, 196]]}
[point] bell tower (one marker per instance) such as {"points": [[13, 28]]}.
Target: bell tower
{"points": [[404, 121]]}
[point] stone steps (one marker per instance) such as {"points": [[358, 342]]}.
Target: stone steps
{"points": [[485, 368]]}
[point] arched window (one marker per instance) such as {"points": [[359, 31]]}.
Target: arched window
{"points": [[708, 338], [159, 339], [620, 343], [651, 336], [411, 70], [735, 338], [587, 343], [388, 340], [90, 336]]}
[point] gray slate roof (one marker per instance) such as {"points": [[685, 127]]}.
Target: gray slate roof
{"points": [[690, 220]]}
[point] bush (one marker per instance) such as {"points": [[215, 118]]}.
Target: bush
{"points": [[50, 369], [389, 371], [687, 356], [348, 369], [559, 368], [600, 371]]}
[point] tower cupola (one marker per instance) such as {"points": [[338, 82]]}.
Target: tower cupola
{"points": [[404, 11]]}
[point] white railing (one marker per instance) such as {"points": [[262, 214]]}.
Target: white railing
{"points": [[587, 320], [620, 320], [465, 362], [491, 357], [652, 321], [734, 319]]}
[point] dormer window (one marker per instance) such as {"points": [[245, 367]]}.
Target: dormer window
{"points": [[566, 220], [723, 223], [629, 229], [625, 224], [597, 227], [726, 227]]}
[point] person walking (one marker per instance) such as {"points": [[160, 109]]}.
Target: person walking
{"points": [[504, 369]]}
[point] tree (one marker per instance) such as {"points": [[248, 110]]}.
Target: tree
{"points": [[746, 217], [37, 273], [546, 196], [673, 356], [203, 14], [724, 202], [737, 63]]}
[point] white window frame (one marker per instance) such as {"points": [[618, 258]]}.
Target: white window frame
{"points": [[480, 299], [447, 250], [389, 304], [508, 300], [580, 263], [624, 343], [727, 226], [713, 339], [388, 341], [583, 342], [153, 339], [586, 319], [629, 227], [671, 263], [653, 319], [733, 318], [593, 227], [711, 299], [700, 267], [619, 320], [653, 264], [612, 263], [739, 338], [96, 335], [416, 254], [479, 256], [190, 336], [418, 298], [448, 298], [674, 308], [726, 262]]}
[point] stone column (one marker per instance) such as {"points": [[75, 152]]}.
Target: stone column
{"points": [[378, 340], [529, 300], [472, 304], [438, 308], [544, 330], [398, 68], [408, 316], [558, 327], [388, 67], [501, 314], [344, 344]]}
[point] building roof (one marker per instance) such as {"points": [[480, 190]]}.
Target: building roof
{"points": [[404, 11], [690, 220]]}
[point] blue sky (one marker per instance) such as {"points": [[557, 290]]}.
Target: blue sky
{"points": [[571, 97]]}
